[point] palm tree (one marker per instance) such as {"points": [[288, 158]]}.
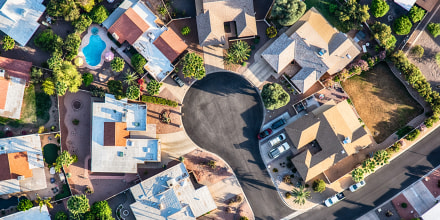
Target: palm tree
{"points": [[42, 202], [301, 195], [130, 78], [238, 52]]}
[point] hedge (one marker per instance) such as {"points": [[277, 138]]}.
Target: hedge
{"points": [[413, 135], [159, 100]]}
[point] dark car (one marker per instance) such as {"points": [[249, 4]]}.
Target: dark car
{"points": [[278, 124], [177, 79], [264, 134]]}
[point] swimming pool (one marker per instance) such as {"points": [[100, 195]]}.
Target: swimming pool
{"points": [[92, 52]]}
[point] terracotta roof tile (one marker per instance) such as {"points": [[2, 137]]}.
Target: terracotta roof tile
{"points": [[4, 85], [16, 68], [4, 164], [19, 165], [115, 134], [170, 44], [129, 27]]}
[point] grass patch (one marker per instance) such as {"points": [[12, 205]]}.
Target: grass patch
{"points": [[323, 7], [382, 101], [50, 153]]}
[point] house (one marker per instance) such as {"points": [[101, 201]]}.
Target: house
{"points": [[217, 19], [315, 46], [120, 139], [133, 22], [22, 163], [324, 137], [19, 18], [408, 4], [32, 214], [14, 76], [170, 195]]}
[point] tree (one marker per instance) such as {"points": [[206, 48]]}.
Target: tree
{"points": [[287, 12], [133, 92], [48, 86], [417, 51], [61, 216], [193, 66], [55, 61], [99, 14], [382, 32], [63, 8], [130, 78], [117, 64], [369, 165], [115, 88], [43, 202], [318, 185], [300, 194], [82, 23], [24, 204], [185, 31], [238, 52], [8, 43], [64, 159], [71, 46], [379, 8], [381, 157], [87, 5], [153, 87], [138, 62], [434, 29], [357, 174], [274, 96], [416, 14], [49, 41], [36, 75], [351, 14], [78, 205], [66, 78], [402, 25], [271, 32], [101, 210], [87, 78]]}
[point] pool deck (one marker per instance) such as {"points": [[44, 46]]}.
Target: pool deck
{"points": [[85, 41]]}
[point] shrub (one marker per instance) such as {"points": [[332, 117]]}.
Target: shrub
{"points": [[75, 121], [382, 32], [288, 195], [82, 23], [99, 14], [41, 129], [64, 159], [153, 87], [67, 9], [416, 14], [66, 78], [275, 170], [318, 185], [78, 204], [24, 204], [87, 78], [97, 91], [212, 164], [274, 96], [192, 66], [101, 210], [271, 32], [429, 122], [133, 92], [185, 31], [36, 75], [71, 46], [159, 100], [351, 14], [87, 5], [287, 12], [244, 218], [417, 51], [49, 41], [379, 8], [115, 88], [138, 62], [434, 29], [61, 216], [357, 174], [403, 131], [238, 52], [413, 135], [404, 205], [8, 43], [117, 64], [402, 25], [48, 86]]}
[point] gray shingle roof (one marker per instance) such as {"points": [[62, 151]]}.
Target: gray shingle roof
{"points": [[280, 53]]}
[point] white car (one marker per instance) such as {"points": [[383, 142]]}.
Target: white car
{"points": [[274, 141], [334, 199], [357, 186], [275, 152]]}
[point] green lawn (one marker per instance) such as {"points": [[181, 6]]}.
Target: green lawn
{"points": [[50, 153], [323, 7]]}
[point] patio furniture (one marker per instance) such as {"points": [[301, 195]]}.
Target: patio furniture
{"points": [[52, 170], [52, 180]]}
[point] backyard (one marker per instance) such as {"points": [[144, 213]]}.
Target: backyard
{"points": [[323, 8], [381, 101]]}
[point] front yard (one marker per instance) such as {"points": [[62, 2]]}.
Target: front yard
{"points": [[382, 101]]}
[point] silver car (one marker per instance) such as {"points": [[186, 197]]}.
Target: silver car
{"points": [[275, 152]]}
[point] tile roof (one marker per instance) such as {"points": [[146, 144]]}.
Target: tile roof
{"points": [[16, 68], [4, 164], [115, 134], [19, 165], [4, 85], [170, 44], [129, 27]]}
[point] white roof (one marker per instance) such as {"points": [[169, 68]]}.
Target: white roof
{"points": [[433, 213], [155, 199], [9, 186], [31, 214], [14, 98], [19, 18], [406, 4], [29, 143]]}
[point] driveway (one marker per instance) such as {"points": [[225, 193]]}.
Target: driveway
{"points": [[223, 114]]}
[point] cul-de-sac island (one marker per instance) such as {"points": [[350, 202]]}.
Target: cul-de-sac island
{"points": [[219, 109]]}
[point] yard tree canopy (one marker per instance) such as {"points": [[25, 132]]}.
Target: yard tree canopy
{"points": [[61, 216], [8, 43], [49, 41], [351, 14], [138, 62], [115, 88], [434, 29], [117, 64], [71, 46], [153, 87], [402, 25], [379, 8], [318, 185], [87, 5], [66, 78], [24, 205], [78, 205], [274, 96], [63, 8], [48, 86], [130, 78], [416, 14], [287, 12], [99, 14], [101, 210], [417, 51], [82, 23], [192, 66], [133, 92], [382, 32], [64, 159], [87, 78], [238, 52]]}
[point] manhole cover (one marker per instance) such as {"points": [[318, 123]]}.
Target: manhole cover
{"points": [[76, 104]]}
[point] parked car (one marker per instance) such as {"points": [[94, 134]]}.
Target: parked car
{"points": [[176, 79], [264, 133], [357, 186], [274, 141], [278, 124], [275, 152], [334, 199]]}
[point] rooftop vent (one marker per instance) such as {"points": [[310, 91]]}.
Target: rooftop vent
{"points": [[2, 73], [346, 140], [322, 52], [20, 178], [151, 36], [115, 36], [348, 56], [171, 182]]}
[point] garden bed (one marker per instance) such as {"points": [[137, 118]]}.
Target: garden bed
{"points": [[381, 101]]}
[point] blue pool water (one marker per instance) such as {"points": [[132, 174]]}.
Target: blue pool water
{"points": [[93, 50]]}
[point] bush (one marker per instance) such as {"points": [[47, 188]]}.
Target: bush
{"points": [[48, 87], [115, 88], [192, 66], [318, 185], [61, 216], [133, 92], [153, 87], [67, 9], [274, 96], [159, 100], [138, 62], [413, 135], [8, 43], [78, 204], [75, 121], [416, 14], [117, 64], [275, 170], [66, 78], [82, 23], [238, 52], [404, 205], [417, 51], [288, 195], [87, 5], [99, 14], [49, 41], [287, 12], [24, 205], [271, 32], [101, 210], [71, 46], [36, 75], [382, 32], [403, 131], [379, 8], [434, 29], [41, 129], [87, 78], [97, 91], [402, 25], [351, 14], [185, 31]]}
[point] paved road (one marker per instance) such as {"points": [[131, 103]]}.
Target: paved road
{"points": [[223, 114], [385, 183]]}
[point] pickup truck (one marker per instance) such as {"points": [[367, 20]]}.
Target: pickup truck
{"points": [[275, 152], [274, 141]]}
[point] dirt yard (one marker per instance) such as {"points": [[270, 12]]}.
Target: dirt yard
{"points": [[382, 101]]}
